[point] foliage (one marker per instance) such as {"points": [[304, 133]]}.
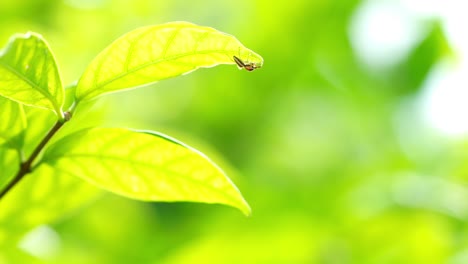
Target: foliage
{"points": [[143, 165], [334, 155]]}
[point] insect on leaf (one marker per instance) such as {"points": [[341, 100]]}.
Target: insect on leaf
{"points": [[150, 54]]}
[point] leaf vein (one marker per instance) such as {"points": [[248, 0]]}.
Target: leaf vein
{"points": [[158, 60], [76, 156]]}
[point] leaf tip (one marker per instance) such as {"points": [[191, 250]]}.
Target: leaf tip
{"points": [[245, 209]]}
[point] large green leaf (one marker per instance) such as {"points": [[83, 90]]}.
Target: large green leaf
{"points": [[12, 124], [29, 74], [145, 166], [154, 53]]}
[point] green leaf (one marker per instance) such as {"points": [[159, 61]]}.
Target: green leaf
{"points": [[145, 166], [408, 77], [9, 162], [12, 124], [154, 53], [29, 74], [42, 197]]}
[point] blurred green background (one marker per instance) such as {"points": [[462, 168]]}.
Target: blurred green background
{"points": [[349, 144]]}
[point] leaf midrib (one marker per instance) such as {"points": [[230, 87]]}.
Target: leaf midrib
{"points": [[150, 63], [31, 83], [133, 162]]}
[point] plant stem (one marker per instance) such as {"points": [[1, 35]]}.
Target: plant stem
{"points": [[25, 166]]}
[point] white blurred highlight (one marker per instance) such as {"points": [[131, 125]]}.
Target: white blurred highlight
{"points": [[444, 99], [383, 32], [432, 193], [42, 242]]}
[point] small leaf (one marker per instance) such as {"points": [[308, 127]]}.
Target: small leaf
{"points": [[143, 166], [154, 53], [29, 74], [12, 124]]}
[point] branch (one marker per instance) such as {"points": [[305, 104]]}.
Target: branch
{"points": [[25, 166]]}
